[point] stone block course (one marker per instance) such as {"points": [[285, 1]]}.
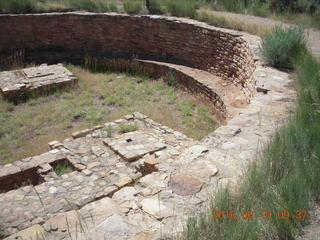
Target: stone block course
{"points": [[167, 39]]}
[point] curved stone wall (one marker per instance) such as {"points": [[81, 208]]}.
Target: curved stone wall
{"points": [[167, 39]]}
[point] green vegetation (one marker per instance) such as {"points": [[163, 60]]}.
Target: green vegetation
{"points": [[302, 12], [284, 177], [91, 5], [18, 6], [132, 6], [27, 6], [108, 131], [172, 81], [306, 12], [154, 7], [26, 128], [182, 8], [62, 168], [130, 127], [282, 46]]}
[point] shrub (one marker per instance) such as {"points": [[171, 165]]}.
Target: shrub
{"points": [[154, 6], [182, 8], [294, 6], [17, 6], [132, 7], [282, 46]]}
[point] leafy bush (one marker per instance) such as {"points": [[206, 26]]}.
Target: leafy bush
{"points": [[281, 46], [132, 7], [17, 6], [182, 8]]}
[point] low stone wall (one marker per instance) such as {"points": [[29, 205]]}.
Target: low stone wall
{"points": [[182, 79], [167, 39]]}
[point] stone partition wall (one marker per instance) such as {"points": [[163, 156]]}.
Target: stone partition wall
{"points": [[161, 38]]}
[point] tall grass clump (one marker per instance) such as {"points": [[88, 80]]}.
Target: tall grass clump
{"points": [[132, 7], [182, 8], [92, 5], [17, 6], [281, 46]]}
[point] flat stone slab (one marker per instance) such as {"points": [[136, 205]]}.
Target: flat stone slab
{"points": [[19, 82], [133, 145]]}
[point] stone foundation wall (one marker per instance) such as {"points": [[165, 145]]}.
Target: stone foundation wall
{"points": [[192, 84], [167, 39]]}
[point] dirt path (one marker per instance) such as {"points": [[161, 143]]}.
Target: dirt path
{"points": [[313, 35]]}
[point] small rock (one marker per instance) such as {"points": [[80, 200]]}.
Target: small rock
{"points": [[80, 167], [93, 165], [46, 227], [123, 181], [185, 185], [53, 190], [86, 172]]}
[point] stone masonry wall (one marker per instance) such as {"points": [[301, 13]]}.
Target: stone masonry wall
{"points": [[181, 41]]}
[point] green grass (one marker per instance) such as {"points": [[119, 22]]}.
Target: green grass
{"points": [[93, 5], [62, 168], [132, 6], [108, 131], [285, 176], [281, 46], [182, 8], [130, 127], [26, 128], [18, 6]]}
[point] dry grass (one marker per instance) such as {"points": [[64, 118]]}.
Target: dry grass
{"points": [[25, 129], [207, 16]]}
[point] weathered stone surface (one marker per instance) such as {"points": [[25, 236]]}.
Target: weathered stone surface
{"points": [[33, 232], [20, 82], [185, 185], [133, 145], [115, 227], [156, 208]]}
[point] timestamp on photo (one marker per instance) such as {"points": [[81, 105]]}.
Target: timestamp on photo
{"points": [[265, 214]]}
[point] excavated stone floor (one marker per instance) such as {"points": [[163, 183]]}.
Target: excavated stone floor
{"points": [[20, 82], [142, 184]]}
